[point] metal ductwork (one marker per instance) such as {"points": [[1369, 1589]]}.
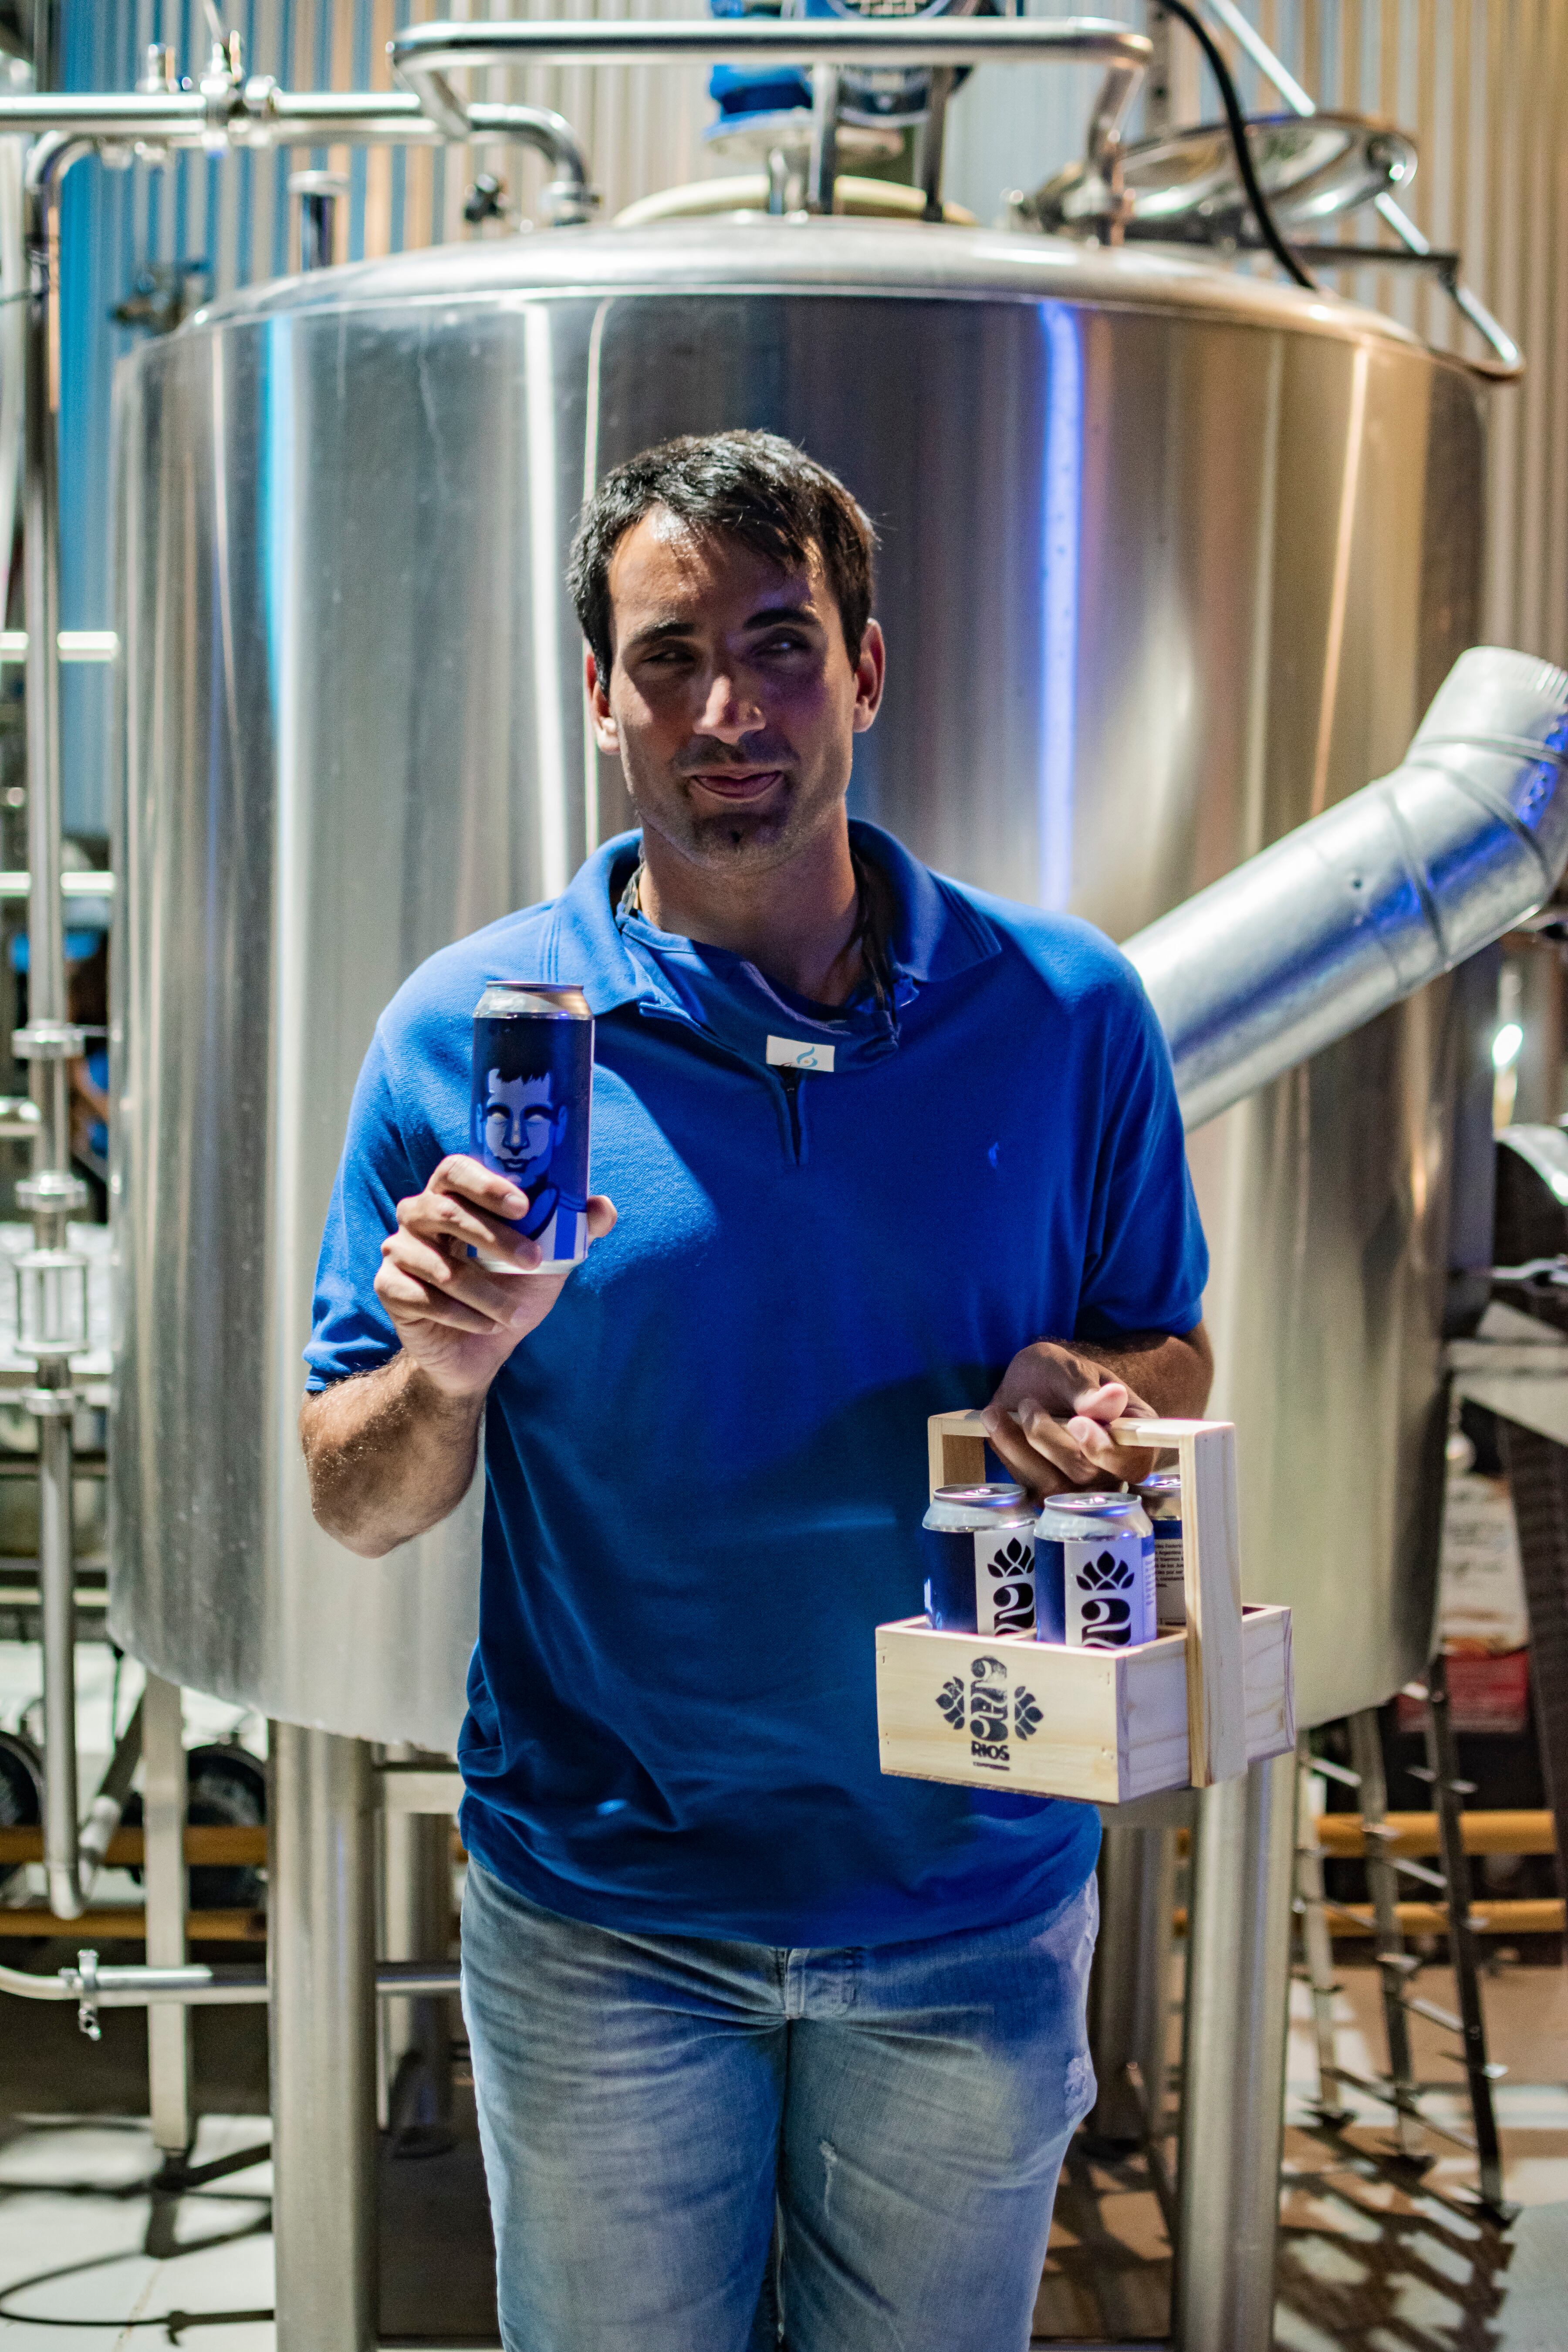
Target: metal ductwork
{"points": [[1361, 906]]}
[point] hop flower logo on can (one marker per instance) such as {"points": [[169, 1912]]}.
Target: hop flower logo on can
{"points": [[1101, 1547], [1103, 1591], [1011, 1568]]}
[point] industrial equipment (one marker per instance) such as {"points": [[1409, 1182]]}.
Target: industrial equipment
{"points": [[1174, 560]]}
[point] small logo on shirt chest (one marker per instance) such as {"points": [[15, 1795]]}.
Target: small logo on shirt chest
{"points": [[796, 1053]]}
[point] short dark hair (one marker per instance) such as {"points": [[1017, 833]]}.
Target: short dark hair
{"points": [[754, 487]]}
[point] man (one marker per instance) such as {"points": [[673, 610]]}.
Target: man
{"points": [[879, 1146]]}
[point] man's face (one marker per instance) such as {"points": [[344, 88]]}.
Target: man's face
{"points": [[731, 700], [522, 1130]]}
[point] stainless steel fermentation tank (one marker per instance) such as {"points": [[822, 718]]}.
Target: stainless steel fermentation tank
{"points": [[1172, 558]]}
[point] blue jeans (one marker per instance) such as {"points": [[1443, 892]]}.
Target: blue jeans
{"points": [[704, 2146]]}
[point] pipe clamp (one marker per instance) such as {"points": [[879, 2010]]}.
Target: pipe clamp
{"points": [[50, 1041], [48, 1404]]}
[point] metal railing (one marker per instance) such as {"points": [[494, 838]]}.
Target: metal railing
{"points": [[426, 56], [1508, 364]]}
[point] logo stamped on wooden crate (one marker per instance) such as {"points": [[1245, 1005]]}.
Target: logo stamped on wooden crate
{"points": [[994, 1717]]}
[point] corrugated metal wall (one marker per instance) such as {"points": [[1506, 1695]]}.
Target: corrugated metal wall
{"points": [[1483, 84]]}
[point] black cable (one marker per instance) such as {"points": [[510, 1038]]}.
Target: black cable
{"points": [[1236, 123]]}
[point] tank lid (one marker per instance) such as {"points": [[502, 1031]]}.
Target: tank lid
{"points": [[754, 253]]}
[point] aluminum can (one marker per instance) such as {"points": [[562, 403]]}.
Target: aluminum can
{"points": [[1094, 1572], [1160, 1496], [532, 1090], [979, 1549]]}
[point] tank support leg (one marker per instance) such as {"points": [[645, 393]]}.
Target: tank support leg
{"points": [[1130, 1881], [1394, 1965], [322, 1948], [415, 1925], [168, 2022], [1233, 2072], [1317, 1940], [1153, 1998]]}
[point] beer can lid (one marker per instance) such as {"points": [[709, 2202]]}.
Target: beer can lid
{"points": [[1074, 1512], [956, 1508], [1163, 1482], [541, 999]]}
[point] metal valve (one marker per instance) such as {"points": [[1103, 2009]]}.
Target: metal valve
{"points": [[87, 2004], [486, 200]]}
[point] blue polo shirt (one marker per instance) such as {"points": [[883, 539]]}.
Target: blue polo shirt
{"points": [[705, 1471]]}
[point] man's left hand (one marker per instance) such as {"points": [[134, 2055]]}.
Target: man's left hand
{"points": [[1049, 1421]]}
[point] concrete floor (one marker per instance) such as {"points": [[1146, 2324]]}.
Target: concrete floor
{"points": [[91, 2258], [93, 2255], [94, 2252], [1369, 2261]]}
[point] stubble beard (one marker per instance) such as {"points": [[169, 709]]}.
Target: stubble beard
{"points": [[738, 842]]}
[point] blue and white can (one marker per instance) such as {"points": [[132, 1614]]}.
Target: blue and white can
{"points": [[533, 1092], [979, 1548], [1094, 1572], [1161, 1498]]}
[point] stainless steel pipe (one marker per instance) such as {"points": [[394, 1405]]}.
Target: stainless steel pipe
{"points": [[57, 1586], [49, 1040], [279, 118], [321, 1953], [424, 57], [1233, 2066], [200, 1987], [103, 1815], [257, 113], [50, 159], [1355, 910], [420, 51]]}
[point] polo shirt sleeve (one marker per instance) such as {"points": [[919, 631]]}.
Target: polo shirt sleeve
{"points": [[1146, 1262], [350, 1330]]}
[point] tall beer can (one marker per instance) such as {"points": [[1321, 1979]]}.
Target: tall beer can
{"points": [[1097, 1551], [532, 1088], [1161, 1498], [979, 1549]]}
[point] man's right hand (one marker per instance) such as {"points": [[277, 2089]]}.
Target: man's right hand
{"points": [[456, 1321]]}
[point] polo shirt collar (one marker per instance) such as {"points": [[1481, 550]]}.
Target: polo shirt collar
{"points": [[937, 931]]}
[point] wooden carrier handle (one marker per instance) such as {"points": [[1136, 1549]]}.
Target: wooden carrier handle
{"points": [[1206, 1451]]}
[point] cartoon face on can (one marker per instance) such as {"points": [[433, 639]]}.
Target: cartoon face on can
{"points": [[533, 1082], [522, 1127]]}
